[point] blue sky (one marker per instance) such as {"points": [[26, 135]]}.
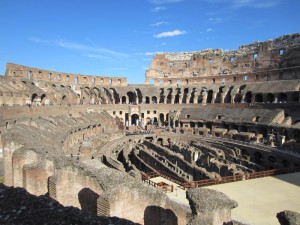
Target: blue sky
{"points": [[119, 37]]}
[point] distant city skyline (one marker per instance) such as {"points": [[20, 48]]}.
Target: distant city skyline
{"points": [[119, 38]]}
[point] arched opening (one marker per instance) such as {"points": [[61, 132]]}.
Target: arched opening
{"points": [[176, 123], [43, 99], [244, 152], [228, 96], [147, 100], [155, 121], [238, 98], [131, 97], [139, 96], [167, 120], [64, 99], [282, 97], [135, 120], [248, 97], [285, 163], [162, 119], [154, 100], [258, 159], [176, 101], [209, 96], [169, 99], [258, 98], [272, 159], [185, 94], [269, 98], [88, 200], [33, 97], [124, 100], [295, 97], [199, 124], [160, 141]]}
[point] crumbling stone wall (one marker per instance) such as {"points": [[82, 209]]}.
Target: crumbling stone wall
{"points": [[248, 63]]}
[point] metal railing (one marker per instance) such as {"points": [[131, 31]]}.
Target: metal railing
{"points": [[239, 177], [208, 182]]}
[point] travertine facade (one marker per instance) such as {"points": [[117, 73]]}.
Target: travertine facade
{"points": [[89, 141]]}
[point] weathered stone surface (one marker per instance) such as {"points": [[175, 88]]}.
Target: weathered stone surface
{"points": [[209, 207], [19, 207], [288, 218]]}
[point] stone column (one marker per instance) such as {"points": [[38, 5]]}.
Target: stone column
{"points": [[204, 97], [222, 98], [214, 96], [196, 96], [180, 99], [172, 99], [188, 98]]}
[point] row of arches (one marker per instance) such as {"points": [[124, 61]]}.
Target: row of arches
{"points": [[224, 95]]}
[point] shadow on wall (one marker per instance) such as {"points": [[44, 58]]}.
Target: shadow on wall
{"points": [[88, 200], [155, 215]]}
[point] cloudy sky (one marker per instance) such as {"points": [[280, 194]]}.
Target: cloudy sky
{"points": [[119, 37]]}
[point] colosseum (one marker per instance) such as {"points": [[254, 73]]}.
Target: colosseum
{"points": [[200, 118]]}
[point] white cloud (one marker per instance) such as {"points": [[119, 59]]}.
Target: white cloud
{"points": [[145, 54], [38, 40], [170, 33], [159, 24], [160, 2], [215, 20], [209, 30], [94, 52], [149, 53], [80, 47], [255, 3], [158, 8], [95, 56], [248, 3]]}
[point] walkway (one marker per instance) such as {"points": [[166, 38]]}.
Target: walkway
{"points": [[259, 199]]}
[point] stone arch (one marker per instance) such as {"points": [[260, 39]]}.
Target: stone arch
{"points": [[135, 119], [258, 158], [258, 98], [78, 184], [20, 158], [154, 99], [285, 163], [147, 100], [131, 97], [294, 97], [88, 200], [269, 98], [34, 97], [282, 97], [162, 118], [248, 97], [160, 141], [245, 152], [124, 100], [272, 159], [44, 100], [209, 96], [139, 96], [64, 100], [238, 98]]}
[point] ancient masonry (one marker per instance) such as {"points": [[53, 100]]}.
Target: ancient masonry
{"points": [[91, 141]]}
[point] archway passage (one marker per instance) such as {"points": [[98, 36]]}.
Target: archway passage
{"points": [[131, 97], [162, 119], [135, 120]]}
